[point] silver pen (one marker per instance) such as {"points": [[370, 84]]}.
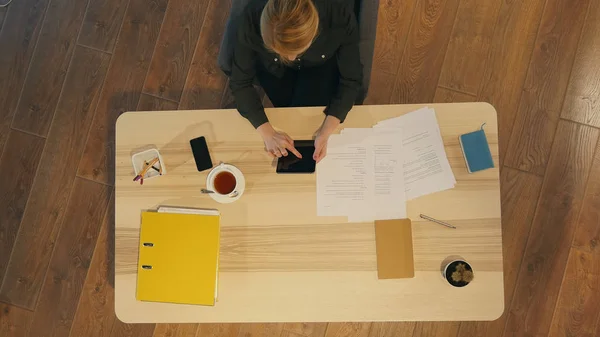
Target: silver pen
{"points": [[423, 216]]}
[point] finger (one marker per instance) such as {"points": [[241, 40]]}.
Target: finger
{"points": [[283, 152], [290, 146], [277, 153], [293, 150], [270, 154], [316, 154], [321, 154]]}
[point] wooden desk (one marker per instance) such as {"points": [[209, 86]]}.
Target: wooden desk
{"points": [[279, 262]]}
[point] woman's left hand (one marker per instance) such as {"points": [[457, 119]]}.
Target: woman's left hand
{"points": [[322, 136], [320, 146]]}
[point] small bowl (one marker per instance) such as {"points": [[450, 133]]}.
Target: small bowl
{"points": [[449, 270]]}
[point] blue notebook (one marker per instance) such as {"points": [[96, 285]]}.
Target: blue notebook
{"points": [[476, 150]]}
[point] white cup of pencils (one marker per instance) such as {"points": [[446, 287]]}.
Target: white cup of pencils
{"points": [[147, 164]]}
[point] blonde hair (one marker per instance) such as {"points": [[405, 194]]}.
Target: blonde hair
{"points": [[289, 26]]}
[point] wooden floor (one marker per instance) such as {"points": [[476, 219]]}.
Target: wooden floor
{"points": [[69, 68]]}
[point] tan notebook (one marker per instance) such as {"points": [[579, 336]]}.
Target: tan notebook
{"points": [[393, 239]]}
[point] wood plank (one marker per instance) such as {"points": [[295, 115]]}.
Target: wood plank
{"points": [[444, 95], [205, 82], [175, 330], [437, 329], [381, 88], [71, 259], [587, 236], [578, 306], [508, 61], [493, 328], [121, 329], [96, 310], [552, 230], [348, 246], [469, 45], [49, 66], [393, 24], [151, 103], [353, 329], [520, 192], [218, 330], [423, 57], [18, 166], [14, 321], [582, 102], [123, 85], [545, 85], [102, 23], [175, 47], [286, 333], [50, 192], [17, 38], [261, 330], [306, 329], [384, 329]]}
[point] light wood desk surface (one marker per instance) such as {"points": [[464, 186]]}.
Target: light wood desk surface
{"points": [[279, 262]]}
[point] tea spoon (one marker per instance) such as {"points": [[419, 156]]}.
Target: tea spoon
{"points": [[233, 194]]}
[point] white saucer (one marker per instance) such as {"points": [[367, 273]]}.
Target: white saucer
{"points": [[239, 187]]}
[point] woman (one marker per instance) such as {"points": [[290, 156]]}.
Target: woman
{"points": [[303, 53]]}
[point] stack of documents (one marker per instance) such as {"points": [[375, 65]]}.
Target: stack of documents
{"points": [[369, 174]]}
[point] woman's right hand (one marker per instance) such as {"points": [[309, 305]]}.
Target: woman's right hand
{"points": [[277, 143]]}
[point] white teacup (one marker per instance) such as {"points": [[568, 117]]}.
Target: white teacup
{"points": [[226, 181]]}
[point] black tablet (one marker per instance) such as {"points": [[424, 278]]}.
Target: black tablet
{"points": [[293, 164]]}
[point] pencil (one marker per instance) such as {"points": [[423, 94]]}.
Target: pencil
{"points": [[146, 167], [423, 216]]}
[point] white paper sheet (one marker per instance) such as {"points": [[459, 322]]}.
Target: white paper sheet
{"points": [[426, 166], [384, 196], [370, 173], [389, 201], [343, 177]]}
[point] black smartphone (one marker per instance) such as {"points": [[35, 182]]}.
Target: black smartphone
{"points": [[201, 155], [293, 164]]}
